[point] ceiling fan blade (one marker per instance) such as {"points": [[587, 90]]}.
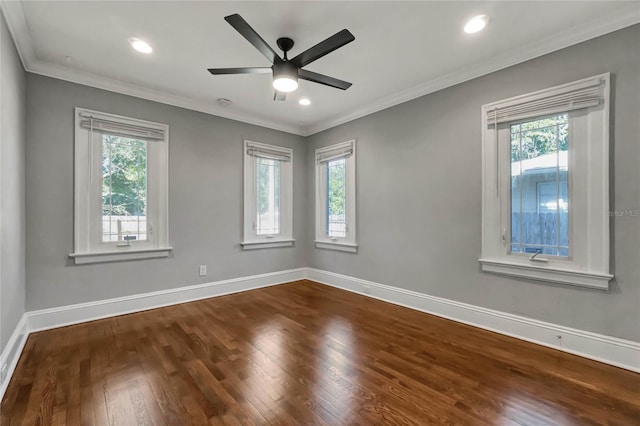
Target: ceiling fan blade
{"points": [[247, 70], [323, 79], [325, 47], [237, 22], [279, 96]]}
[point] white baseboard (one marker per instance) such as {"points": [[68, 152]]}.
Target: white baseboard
{"points": [[11, 353], [609, 350], [46, 319]]}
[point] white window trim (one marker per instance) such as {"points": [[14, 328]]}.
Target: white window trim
{"points": [[322, 241], [338, 246], [588, 265], [250, 240], [87, 248]]}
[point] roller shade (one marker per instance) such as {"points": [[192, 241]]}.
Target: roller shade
{"points": [[102, 125], [573, 96], [269, 153], [341, 151]]}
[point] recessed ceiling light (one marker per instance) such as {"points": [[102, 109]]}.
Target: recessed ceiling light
{"points": [[304, 101], [140, 45], [475, 24]]}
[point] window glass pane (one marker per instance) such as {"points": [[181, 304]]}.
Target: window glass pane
{"points": [[516, 190], [539, 188], [336, 198], [268, 196], [124, 189]]}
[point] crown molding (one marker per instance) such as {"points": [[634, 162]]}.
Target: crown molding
{"points": [[17, 24], [623, 18], [18, 27], [86, 78]]}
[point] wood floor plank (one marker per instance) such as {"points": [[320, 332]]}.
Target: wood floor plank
{"points": [[304, 353]]}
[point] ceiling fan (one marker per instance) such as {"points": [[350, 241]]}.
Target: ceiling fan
{"points": [[286, 72]]}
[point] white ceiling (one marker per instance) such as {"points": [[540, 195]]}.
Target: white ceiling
{"points": [[402, 49]]}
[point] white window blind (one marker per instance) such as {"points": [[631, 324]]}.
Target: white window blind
{"points": [[268, 196], [270, 153], [545, 184], [577, 95], [337, 151], [121, 188], [95, 123]]}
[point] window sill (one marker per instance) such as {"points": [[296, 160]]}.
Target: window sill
{"points": [[541, 273], [254, 245], [330, 245], [118, 256]]}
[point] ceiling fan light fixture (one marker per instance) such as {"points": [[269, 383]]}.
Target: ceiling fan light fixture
{"points": [[285, 77], [285, 84]]}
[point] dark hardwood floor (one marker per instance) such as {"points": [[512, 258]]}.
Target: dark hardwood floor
{"points": [[304, 353]]}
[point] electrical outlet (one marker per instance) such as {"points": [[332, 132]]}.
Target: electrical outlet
{"points": [[203, 270], [367, 289]]}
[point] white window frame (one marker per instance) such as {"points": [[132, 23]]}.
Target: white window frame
{"points": [[88, 244], [251, 240], [348, 243], [588, 185]]}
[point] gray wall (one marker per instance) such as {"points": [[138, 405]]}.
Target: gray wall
{"points": [[205, 199], [12, 186], [419, 196], [419, 193]]}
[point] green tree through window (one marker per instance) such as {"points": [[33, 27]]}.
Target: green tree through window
{"points": [[336, 198], [539, 137], [124, 187]]}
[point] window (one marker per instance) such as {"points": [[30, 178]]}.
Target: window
{"points": [[545, 185], [268, 196], [336, 197], [121, 188], [539, 197], [124, 189]]}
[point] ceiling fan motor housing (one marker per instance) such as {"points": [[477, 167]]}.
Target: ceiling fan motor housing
{"points": [[285, 69]]}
